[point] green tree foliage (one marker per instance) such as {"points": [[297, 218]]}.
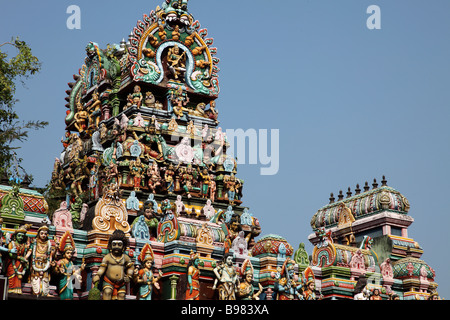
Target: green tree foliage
{"points": [[14, 69]]}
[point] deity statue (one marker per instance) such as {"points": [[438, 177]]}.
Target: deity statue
{"points": [[95, 111], [65, 267], [144, 277], [42, 253], [112, 172], [17, 262], [193, 276], [206, 181], [149, 138], [66, 139], [176, 33], [179, 102], [169, 178], [232, 185], [286, 285], [137, 171], [187, 180], [176, 62], [309, 286], [227, 278], [212, 188], [81, 118], [93, 182], [154, 177], [246, 290], [137, 96], [234, 227], [116, 268]]}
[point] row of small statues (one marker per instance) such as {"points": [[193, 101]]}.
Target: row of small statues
{"points": [[117, 270], [90, 115], [79, 179], [37, 260]]}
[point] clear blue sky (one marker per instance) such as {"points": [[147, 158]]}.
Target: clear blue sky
{"points": [[351, 104]]}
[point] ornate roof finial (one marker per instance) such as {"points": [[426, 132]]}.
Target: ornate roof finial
{"points": [[384, 182], [375, 184], [340, 195], [331, 198], [366, 187], [349, 193], [357, 190]]}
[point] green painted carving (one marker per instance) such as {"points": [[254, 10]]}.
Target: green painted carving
{"points": [[301, 256], [12, 206]]}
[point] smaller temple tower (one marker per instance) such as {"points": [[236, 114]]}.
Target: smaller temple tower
{"points": [[365, 236]]}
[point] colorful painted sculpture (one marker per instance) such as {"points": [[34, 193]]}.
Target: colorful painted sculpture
{"points": [[193, 277], [154, 177], [65, 268], [227, 278], [309, 285], [176, 62], [42, 253], [137, 172], [144, 277], [232, 185], [246, 290], [286, 286], [137, 96], [116, 269], [17, 263]]}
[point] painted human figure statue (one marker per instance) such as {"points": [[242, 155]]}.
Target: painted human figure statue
{"points": [[286, 286], [3, 249], [309, 286], [376, 295], [177, 61], [137, 96], [232, 185], [246, 291], [42, 254], [116, 268], [212, 188], [169, 178], [154, 177], [193, 276], [144, 277], [66, 269], [137, 171], [227, 278], [17, 263], [206, 181]]}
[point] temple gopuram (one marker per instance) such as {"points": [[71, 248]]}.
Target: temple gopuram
{"points": [[150, 203]]}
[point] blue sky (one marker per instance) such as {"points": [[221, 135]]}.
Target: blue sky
{"points": [[351, 104]]}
